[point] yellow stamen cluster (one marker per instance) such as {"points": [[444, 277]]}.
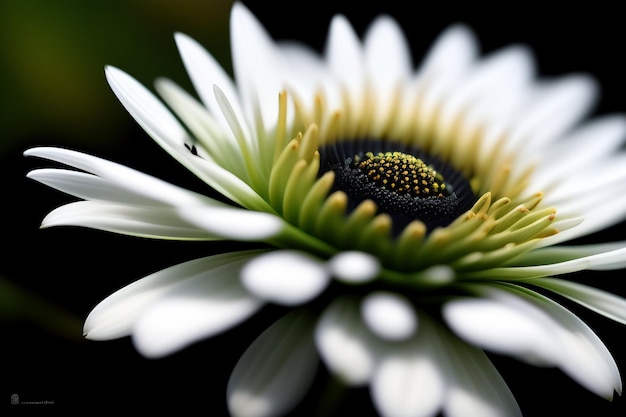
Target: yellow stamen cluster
{"points": [[402, 174]]}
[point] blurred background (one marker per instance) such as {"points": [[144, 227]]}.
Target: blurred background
{"points": [[53, 92]]}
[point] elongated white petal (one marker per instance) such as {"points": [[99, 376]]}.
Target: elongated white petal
{"points": [[143, 221], [389, 316], [344, 55], [205, 72], [554, 109], [505, 325], [600, 301], [344, 343], [475, 387], [565, 157], [233, 223], [609, 260], [163, 127], [451, 54], [307, 74], [252, 47], [201, 306], [583, 355], [114, 182], [276, 371], [221, 146], [493, 88], [285, 277], [115, 315], [388, 62], [408, 381], [86, 186], [354, 267]]}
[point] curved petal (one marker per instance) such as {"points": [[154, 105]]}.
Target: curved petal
{"points": [[504, 324], [388, 62], [167, 222], [205, 72], [408, 381], [203, 305], [389, 316], [285, 277], [602, 302], [344, 55], [583, 355], [217, 139], [114, 182], [142, 221], [553, 109], [162, 126], [115, 316], [276, 371], [252, 47], [233, 223], [451, 53], [475, 387], [345, 345]]}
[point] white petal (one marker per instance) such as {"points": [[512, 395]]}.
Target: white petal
{"points": [[256, 64], [451, 54], [505, 325], [124, 184], [408, 382], [233, 223], [389, 316], [218, 140], [115, 315], [205, 72], [602, 302], [554, 109], [275, 372], [354, 267], [143, 221], [388, 62], [475, 388], [285, 277], [583, 356], [492, 89], [345, 58], [307, 74], [163, 127], [344, 343], [200, 307], [565, 157]]}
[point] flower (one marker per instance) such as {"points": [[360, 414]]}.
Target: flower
{"points": [[420, 214]]}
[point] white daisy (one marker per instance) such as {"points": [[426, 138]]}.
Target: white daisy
{"points": [[417, 210]]}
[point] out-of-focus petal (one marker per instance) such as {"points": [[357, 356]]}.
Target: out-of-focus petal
{"points": [[354, 267], [115, 316], [344, 343], [389, 316], [583, 356], [408, 381], [276, 371], [201, 306], [505, 325], [285, 277]]}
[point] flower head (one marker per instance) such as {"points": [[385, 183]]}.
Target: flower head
{"points": [[421, 213]]}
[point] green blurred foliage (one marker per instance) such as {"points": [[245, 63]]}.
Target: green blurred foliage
{"points": [[52, 56]]}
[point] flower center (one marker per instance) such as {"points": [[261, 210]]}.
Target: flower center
{"points": [[404, 182], [402, 174]]}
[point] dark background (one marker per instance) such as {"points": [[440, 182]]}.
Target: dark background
{"points": [[53, 92]]}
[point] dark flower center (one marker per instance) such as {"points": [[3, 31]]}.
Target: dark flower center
{"points": [[403, 181]]}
